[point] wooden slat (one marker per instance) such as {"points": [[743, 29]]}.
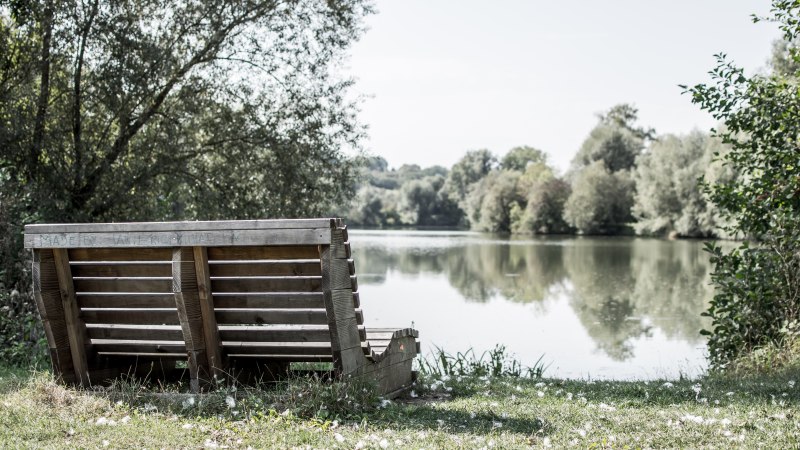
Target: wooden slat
{"points": [[262, 224], [184, 285], [143, 354], [124, 269], [262, 253], [154, 239], [134, 346], [120, 284], [266, 284], [126, 300], [135, 332], [120, 254], [274, 333], [140, 316], [272, 316], [264, 268], [75, 327], [278, 348], [289, 358], [269, 300], [212, 340]]}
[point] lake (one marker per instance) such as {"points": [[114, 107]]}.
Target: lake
{"points": [[606, 308]]}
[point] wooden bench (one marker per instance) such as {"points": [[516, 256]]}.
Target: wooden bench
{"points": [[223, 296]]}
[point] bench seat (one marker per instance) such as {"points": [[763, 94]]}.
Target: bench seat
{"points": [[224, 296]]}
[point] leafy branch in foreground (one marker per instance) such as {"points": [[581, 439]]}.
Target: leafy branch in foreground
{"points": [[757, 284]]}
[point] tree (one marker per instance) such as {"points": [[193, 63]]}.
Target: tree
{"points": [[518, 158], [493, 201], [473, 166], [614, 140], [668, 196], [757, 297], [156, 110], [601, 200]]}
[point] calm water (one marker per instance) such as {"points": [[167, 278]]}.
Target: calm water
{"points": [[595, 307]]}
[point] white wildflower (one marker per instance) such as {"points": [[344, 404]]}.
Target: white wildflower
{"points": [[472, 415], [106, 443], [360, 445], [605, 407], [230, 402], [691, 418], [540, 394], [383, 443], [539, 384], [187, 426], [546, 442], [384, 403], [413, 394], [729, 393], [497, 424], [125, 419], [569, 395], [791, 383], [667, 385]]}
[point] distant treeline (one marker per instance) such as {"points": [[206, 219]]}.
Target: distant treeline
{"points": [[625, 179]]}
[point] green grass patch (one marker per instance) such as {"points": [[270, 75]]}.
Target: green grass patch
{"points": [[439, 412]]}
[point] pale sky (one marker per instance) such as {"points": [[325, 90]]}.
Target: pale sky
{"points": [[444, 77]]}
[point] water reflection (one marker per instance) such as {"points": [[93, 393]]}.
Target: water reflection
{"points": [[623, 291]]}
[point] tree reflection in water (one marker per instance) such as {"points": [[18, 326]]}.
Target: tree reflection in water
{"points": [[621, 289]]}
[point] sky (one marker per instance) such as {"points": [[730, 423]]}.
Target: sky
{"points": [[444, 77]]}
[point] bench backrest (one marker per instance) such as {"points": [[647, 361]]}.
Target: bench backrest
{"points": [[274, 289]]}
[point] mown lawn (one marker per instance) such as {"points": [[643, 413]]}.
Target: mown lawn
{"points": [[469, 412]]}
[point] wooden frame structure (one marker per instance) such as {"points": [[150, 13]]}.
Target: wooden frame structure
{"points": [[224, 296]]}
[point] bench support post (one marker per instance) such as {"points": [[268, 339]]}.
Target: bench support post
{"points": [[76, 330], [187, 301], [348, 357], [210, 330]]}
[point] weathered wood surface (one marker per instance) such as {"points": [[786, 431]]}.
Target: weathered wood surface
{"points": [[154, 239], [210, 330], [268, 224], [180, 291], [78, 344]]}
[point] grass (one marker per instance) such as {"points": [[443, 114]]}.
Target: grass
{"points": [[440, 412]]}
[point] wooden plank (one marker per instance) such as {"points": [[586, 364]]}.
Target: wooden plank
{"points": [[184, 285], [138, 316], [154, 239], [135, 332], [126, 300], [210, 334], [342, 304], [123, 284], [340, 274], [262, 253], [145, 354], [46, 293], [266, 284], [262, 224], [269, 300], [78, 344], [274, 333], [264, 268], [278, 348], [133, 346], [345, 334], [272, 316], [120, 254], [291, 358], [121, 269]]}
